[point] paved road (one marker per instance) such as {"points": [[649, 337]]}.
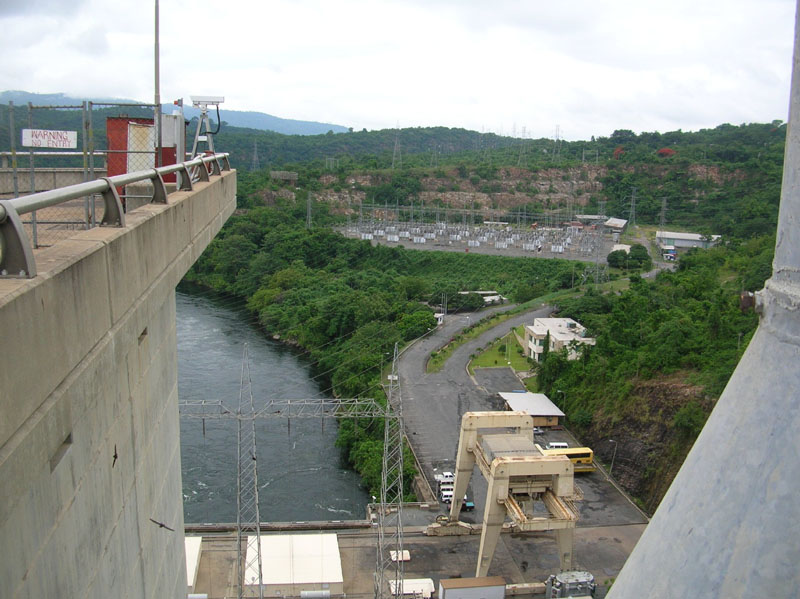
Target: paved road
{"points": [[434, 403]]}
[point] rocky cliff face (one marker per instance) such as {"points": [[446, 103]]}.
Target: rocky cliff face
{"points": [[509, 187], [650, 450]]}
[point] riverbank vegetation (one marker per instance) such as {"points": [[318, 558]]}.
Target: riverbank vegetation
{"points": [[346, 303], [665, 350], [665, 347]]}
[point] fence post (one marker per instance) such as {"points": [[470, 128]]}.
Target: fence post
{"points": [[92, 174], [33, 177], [85, 165], [12, 134]]}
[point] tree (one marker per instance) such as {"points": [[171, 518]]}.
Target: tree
{"points": [[689, 420], [617, 259], [639, 258], [416, 324]]}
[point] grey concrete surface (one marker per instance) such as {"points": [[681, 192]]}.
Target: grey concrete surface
{"points": [[519, 559], [497, 380]]}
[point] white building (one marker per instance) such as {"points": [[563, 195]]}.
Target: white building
{"points": [[684, 240], [616, 225], [564, 332], [292, 564]]}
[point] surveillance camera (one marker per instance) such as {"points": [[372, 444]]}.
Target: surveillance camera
{"points": [[207, 100]]}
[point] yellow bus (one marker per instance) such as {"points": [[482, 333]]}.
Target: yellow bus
{"points": [[582, 458]]}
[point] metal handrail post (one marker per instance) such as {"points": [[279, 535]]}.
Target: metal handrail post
{"points": [[16, 255]]}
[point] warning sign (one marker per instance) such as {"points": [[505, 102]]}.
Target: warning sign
{"points": [[46, 138]]}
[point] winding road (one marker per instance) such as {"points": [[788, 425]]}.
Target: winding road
{"points": [[433, 403]]}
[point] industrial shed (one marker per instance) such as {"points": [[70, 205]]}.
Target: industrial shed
{"points": [[616, 225], [538, 405], [484, 587], [685, 240], [295, 563]]}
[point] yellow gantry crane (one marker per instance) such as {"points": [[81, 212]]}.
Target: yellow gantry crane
{"points": [[501, 443]]}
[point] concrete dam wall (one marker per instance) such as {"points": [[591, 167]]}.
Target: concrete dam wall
{"points": [[90, 478]]}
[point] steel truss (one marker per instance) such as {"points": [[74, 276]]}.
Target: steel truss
{"points": [[389, 563]]}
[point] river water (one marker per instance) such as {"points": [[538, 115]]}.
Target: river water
{"points": [[300, 473]]}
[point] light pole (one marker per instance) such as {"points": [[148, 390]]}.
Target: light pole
{"points": [[614, 455], [380, 374], [562, 398]]}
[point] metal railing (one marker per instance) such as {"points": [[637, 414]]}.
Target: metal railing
{"points": [[16, 251]]}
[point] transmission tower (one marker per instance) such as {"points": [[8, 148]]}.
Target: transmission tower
{"points": [[663, 218], [522, 149], [390, 518], [248, 518], [254, 166], [598, 250], [632, 215], [557, 144], [308, 211], [390, 531], [397, 158]]}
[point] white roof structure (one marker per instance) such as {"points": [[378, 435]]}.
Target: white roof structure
{"points": [[489, 297], [561, 329], [621, 246], [616, 223], [422, 587], [535, 404], [683, 236], [192, 546], [297, 559]]}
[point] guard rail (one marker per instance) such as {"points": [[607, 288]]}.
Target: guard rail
{"points": [[16, 253]]}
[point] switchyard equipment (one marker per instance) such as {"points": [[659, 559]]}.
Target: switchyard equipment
{"points": [[519, 475]]}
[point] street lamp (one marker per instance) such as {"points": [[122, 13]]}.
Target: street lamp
{"points": [[380, 374], [614, 455], [562, 398]]}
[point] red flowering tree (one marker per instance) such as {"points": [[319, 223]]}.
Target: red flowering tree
{"points": [[666, 152], [618, 152]]}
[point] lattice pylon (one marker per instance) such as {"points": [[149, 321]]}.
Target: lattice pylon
{"points": [[390, 515], [248, 517]]}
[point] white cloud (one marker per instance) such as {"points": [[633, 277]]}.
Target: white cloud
{"points": [[589, 66]]}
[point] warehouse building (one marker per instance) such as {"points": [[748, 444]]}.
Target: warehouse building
{"points": [[685, 240], [545, 413]]}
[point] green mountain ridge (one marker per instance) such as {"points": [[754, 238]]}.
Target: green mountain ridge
{"points": [[238, 118]]}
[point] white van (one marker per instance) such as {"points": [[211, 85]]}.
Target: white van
{"points": [[447, 496], [557, 445]]}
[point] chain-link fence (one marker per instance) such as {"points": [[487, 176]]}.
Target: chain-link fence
{"points": [[47, 147]]}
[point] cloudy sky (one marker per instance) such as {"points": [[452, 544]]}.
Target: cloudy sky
{"points": [[585, 66]]}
